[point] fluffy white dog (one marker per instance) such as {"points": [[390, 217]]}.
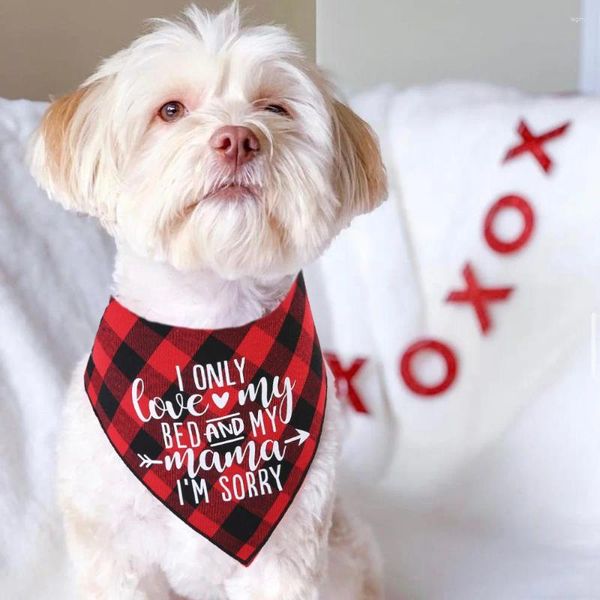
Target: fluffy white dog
{"points": [[221, 162]]}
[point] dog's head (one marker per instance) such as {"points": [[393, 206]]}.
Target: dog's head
{"points": [[209, 145]]}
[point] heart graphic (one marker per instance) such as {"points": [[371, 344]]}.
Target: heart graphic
{"points": [[220, 400]]}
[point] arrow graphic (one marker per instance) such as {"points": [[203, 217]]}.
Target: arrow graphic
{"points": [[147, 462], [301, 437]]}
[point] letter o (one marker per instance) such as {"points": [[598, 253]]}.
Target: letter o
{"points": [[521, 205], [238, 487], [428, 345]]}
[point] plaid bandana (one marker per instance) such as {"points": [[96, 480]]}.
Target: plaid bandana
{"points": [[221, 426]]}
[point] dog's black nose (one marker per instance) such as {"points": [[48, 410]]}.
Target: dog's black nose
{"points": [[236, 144]]}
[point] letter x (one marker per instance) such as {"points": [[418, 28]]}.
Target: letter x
{"points": [[479, 297], [343, 380], [534, 144]]}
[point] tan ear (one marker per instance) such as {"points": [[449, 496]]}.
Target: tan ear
{"points": [[360, 173], [52, 157], [68, 150]]}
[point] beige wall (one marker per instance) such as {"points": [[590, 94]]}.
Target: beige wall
{"points": [[49, 46], [532, 44]]}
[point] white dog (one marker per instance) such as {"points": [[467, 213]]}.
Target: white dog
{"points": [[222, 163]]}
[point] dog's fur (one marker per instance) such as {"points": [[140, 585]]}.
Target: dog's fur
{"points": [[189, 257]]}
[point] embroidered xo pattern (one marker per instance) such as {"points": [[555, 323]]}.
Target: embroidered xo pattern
{"points": [[475, 293], [221, 426], [479, 296]]}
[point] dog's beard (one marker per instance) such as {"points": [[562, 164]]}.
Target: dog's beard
{"points": [[230, 237]]}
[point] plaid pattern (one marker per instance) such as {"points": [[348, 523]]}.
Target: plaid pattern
{"points": [[283, 343]]}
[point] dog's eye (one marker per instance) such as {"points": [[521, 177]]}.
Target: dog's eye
{"points": [[277, 109], [171, 111]]}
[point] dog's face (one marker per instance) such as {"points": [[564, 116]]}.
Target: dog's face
{"points": [[208, 145]]}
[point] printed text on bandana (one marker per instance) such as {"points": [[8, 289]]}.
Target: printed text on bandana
{"points": [[227, 444]]}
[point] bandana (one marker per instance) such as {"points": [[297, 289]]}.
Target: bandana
{"points": [[220, 425]]}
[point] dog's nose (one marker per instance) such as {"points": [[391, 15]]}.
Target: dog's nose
{"points": [[235, 144]]}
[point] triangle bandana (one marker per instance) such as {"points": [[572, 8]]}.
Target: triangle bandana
{"points": [[220, 425]]}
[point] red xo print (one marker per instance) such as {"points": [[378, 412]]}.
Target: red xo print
{"points": [[479, 297], [474, 293], [535, 144], [428, 345], [523, 207], [344, 380]]}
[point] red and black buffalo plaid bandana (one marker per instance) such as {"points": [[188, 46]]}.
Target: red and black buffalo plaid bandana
{"points": [[221, 426]]}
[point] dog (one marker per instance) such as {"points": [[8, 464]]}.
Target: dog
{"points": [[222, 162]]}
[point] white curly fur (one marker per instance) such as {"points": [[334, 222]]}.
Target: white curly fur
{"points": [[189, 259]]}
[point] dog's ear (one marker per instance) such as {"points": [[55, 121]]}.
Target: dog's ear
{"points": [[70, 154], [360, 174]]}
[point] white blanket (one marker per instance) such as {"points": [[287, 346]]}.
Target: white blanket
{"points": [[491, 489], [488, 490], [54, 280]]}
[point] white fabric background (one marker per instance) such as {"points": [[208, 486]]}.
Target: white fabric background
{"points": [[490, 490], [54, 281]]}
